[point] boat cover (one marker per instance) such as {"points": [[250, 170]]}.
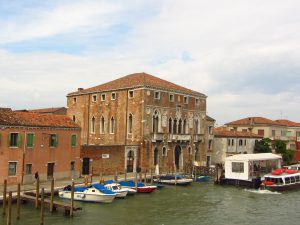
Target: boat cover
{"points": [[130, 184], [102, 189]]}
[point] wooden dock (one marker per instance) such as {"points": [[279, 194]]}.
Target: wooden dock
{"points": [[56, 204]]}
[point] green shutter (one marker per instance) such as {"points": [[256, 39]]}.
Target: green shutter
{"points": [[29, 140], [73, 142], [19, 140], [56, 140]]}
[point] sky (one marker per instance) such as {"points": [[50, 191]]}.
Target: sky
{"points": [[243, 54]]}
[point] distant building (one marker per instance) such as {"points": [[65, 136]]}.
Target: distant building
{"points": [[284, 130], [209, 136], [55, 111], [232, 142], [30, 142], [139, 122]]}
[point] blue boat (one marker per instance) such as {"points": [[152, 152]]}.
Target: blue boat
{"points": [[202, 178]]}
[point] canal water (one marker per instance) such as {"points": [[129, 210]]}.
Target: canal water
{"points": [[200, 203]]}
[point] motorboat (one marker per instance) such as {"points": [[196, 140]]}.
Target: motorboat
{"points": [[281, 180], [88, 194], [173, 180], [116, 188], [202, 178], [141, 188]]}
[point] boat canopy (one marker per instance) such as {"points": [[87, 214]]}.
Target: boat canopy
{"points": [[102, 189], [253, 157], [130, 184]]}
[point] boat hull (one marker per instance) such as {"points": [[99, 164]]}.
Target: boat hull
{"points": [[79, 196], [176, 182], [280, 188], [254, 183]]}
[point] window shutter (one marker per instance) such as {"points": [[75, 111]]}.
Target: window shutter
{"points": [[56, 140], [9, 139], [29, 140], [19, 140], [73, 142]]}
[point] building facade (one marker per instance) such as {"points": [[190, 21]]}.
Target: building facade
{"points": [[139, 122], [33, 142]]}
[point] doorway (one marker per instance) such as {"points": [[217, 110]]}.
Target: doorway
{"points": [[130, 160], [86, 166], [50, 170], [178, 157]]}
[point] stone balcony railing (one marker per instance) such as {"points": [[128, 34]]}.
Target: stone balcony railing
{"points": [[180, 137], [283, 138], [198, 138], [157, 137]]}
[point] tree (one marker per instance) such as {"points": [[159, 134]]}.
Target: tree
{"points": [[287, 154], [262, 146]]}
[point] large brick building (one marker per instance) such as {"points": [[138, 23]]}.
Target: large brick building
{"points": [[140, 122], [31, 142]]}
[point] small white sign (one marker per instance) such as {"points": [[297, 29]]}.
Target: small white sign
{"points": [[105, 156]]}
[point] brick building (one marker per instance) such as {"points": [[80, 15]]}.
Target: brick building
{"points": [[139, 122], [31, 142]]}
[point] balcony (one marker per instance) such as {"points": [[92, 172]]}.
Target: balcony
{"points": [[282, 138], [198, 138], [157, 137], [179, 137]]}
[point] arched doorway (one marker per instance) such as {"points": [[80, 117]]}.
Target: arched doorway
{"points": [[156, 160], [130, 160], [178, 157]]}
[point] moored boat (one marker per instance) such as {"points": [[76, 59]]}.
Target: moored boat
{"points": [[287, 180], [88, 194], [172, 180], [116, 188], [141, 188], [202, 178]]}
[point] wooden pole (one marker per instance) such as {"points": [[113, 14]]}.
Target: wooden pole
{"points": [[145, 178], [195, 175], [135, 180], [151, 171], [125, 175], [140, 176], [52, 195], [37, 192], [18, 201], [42, 207], [8, 221], [72, 200], [175, 168], [4, 197], [116, 176]]}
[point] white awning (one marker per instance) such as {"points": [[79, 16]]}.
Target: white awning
{"points": [[253, 157]]}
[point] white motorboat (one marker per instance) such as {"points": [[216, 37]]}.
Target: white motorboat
{"points": [[117, 189], [88, 194]]}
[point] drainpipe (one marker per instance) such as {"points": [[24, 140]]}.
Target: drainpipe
{"points": [[23, 157]]}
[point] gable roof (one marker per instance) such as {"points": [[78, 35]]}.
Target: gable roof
{"points": [[221, 132], [288, 123], [137, 80], [252, 121], [45, 110], [10, 118]]}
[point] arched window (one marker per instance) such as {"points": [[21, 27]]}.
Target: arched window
{"points": [[164, 151], [102, 125], [155, 122], [93, 125], [240, 142], [228, 142], [170, 125], [180, 126], [175, 126], [74, 118], [197, 126], [232, 142], [130, 124], [112, 126], [190, 150], [184, 127]]}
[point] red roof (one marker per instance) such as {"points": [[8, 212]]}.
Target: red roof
{"points": [[288, 123], [10, 118], [137, 80], [46, 110], [232, 133], [252, 121]]}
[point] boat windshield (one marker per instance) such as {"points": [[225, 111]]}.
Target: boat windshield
{"points": [[274, 180]]}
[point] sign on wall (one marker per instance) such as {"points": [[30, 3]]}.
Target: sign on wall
{"points": [[105, 156]]}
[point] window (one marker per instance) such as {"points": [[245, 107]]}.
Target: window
{"points": [[180, 126], [261, 132], [210, 130], [228, 142], [156, 95], [185, 99], [155, 122], [102, 125], [190, 150], [171, 97], [197, 130], [245, 142], [93, 125], [164, 151], [240, 142], [14, 140], [73, 140], [170, 125], [273, 133], [237, 167], [175, 126], [29, 140], [74, 100], [292, 146], [72, 166], [197, 101], [232, 142], [283, 133], [103, 97], [28, 169], [130, 124], [209, 144], [113, 96], [130, 94], [94, 98], [74, 118], [53, 140], [12, 168], [184, 127], [112, 126]]}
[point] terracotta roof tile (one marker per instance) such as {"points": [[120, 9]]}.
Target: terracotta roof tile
{"points": [[10, 118], [288, 123], [134, 81], [46, 110], [226, 133], [254, 121]]}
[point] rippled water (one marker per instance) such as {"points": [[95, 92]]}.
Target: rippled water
{"points": [[200, 203]]}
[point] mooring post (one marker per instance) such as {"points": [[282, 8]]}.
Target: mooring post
{"points": [[52, 195], [151, 172], [175, 168], [140, 176], [18, 201], [195, 173], [8, 221], [4, 197], [125, 174], [116, 176], [37, 192], [42, 207], [135, 181], [72, 200], [145, 178]]}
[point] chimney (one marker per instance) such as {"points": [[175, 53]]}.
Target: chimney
{"points": [[80, 89]]}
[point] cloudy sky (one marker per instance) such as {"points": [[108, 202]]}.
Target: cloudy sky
{"points": [[244, 55]]}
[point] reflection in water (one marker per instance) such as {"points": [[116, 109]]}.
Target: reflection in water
{"points": [[200, 203]]}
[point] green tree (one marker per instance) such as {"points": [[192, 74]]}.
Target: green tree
{"points": [[287, 154], [262, 146]]}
